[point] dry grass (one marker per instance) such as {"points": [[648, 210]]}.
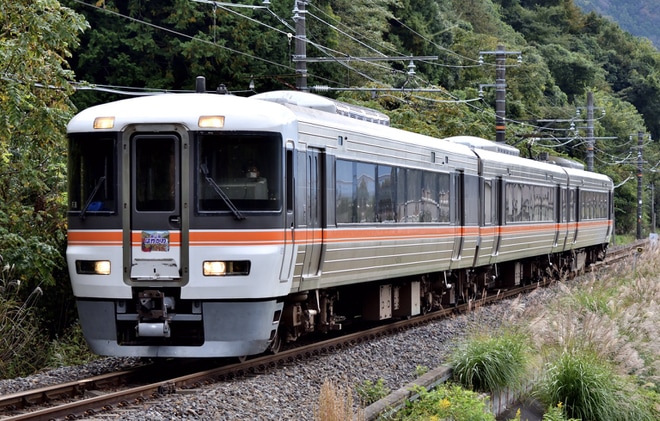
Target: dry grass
{"points": [[614, 314], [336, 404]]}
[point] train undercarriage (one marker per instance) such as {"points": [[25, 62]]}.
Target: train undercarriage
{"points": [[328, 310]]}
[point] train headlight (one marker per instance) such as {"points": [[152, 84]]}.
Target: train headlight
{"points": [[226, 268], [104, 122], [93, 267], [214, 268], [211, 121]]}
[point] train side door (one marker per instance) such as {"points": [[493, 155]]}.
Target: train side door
{"points": [[459, 215], [574, 213], [153, 203], [289, 232], [314, 205], [498, 220], [563, 217]]}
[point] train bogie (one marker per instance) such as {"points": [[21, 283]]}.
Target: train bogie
{"points": [[209, 225]]}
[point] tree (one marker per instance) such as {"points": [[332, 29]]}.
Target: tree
{"points": [[36, 38]]}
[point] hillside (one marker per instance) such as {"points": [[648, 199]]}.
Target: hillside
{"points": [[640, 17]]}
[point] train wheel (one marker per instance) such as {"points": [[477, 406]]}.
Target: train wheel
{"points": [[275, 346]]}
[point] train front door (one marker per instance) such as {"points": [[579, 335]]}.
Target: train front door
{"points": [[314, 205], [153, 201]]}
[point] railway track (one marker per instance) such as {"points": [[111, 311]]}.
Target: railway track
{"points": [[112, 391]]}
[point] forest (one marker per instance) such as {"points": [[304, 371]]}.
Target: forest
{"points": [[430, 65]]}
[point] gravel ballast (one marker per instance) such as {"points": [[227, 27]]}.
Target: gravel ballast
{"points": [[292, 392]]}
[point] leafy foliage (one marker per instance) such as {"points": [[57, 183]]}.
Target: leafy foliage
{"points": [[369, 392], [36, 38], [446, 402]]}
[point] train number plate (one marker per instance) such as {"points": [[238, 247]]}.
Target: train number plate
{"points": [[155, 241]]}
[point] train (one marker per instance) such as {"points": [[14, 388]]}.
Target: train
{"points": [[209, 225]]}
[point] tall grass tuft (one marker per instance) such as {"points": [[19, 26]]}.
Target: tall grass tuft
{"points": [[336, 404], [21, 341], [490, 363], [599, 343], [589, 389]]}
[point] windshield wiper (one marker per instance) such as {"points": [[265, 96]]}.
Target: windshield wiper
{"points": [[222, 194], [91, 197]]}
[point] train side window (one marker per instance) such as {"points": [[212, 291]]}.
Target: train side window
{"points": [[488, 202], [412, 206], [385, 191], [443, 197], [345, 194], [366, 192]]}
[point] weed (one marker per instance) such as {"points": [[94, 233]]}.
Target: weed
{"points": [[336, 404], [446, 402], [491, 363], [369, 392]]}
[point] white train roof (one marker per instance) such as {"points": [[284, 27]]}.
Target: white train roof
{"points": [[240, 112], [475, 142], [307, 100]]}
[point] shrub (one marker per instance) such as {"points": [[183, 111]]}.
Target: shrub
{"points": [[491, 363], [589, 389], [369, 392], [447, 401], [71, 349]]}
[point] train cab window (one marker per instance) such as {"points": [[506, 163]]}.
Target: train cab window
{"points": [[155, 176], [239, 171], [92, 175]]}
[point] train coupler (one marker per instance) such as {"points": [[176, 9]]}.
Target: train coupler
{"points": [[153, 318]]}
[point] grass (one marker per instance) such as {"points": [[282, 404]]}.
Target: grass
{"points": [[336, 404], [446, 402], [599, 343], [594, 349], [24, 348], [589, 388], [489, 363]]}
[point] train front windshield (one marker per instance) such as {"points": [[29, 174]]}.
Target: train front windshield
{"points": [[92, 180], [239, 172]]}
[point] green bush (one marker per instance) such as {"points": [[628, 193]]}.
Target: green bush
{"points": [[71, 350], [590, 389], [446, 402], [369, 392], [491, 363]]}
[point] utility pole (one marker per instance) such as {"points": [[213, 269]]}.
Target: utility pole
{"points": [[301, 59], [640, 137], [590, 131], [500, 89], [300, 56]]}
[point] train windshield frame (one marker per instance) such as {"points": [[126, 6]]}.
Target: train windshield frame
{"points": [[92, 169], [239, 172]]}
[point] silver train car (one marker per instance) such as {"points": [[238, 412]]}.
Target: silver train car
{"points": [[204, 225]]}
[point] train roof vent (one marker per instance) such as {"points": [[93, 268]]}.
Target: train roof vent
{"points": [[305, 99], [562, 162], [479, 143]]}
